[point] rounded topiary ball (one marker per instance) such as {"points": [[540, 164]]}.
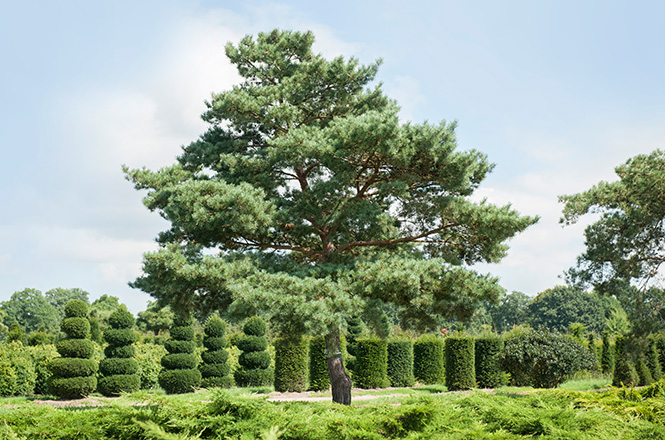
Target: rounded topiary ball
{"points": [[76, 308], [121, 319], [254, 326]]}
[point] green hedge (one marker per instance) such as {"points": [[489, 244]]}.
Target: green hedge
{"points": [[488, 370], [460, 363], [123, 351], [119, 337], [653, 362], [319, 380], [215, 343], [254, 378], [121, 318], [371, 369], [17, 370], [607, 355], [250, 343], [624, 370], [254, 326], [182, 333], [428, 359], [400, 362], [254, 359], [148, 357], [291, 356], [179, 361], [215, 357], [214, 370], [76, 308]]}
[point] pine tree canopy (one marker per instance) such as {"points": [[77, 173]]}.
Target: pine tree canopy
{"points": [[309, 200]]}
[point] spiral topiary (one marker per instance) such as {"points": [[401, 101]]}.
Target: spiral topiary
{"points": [[74, 372], [120, 371], [254, 362], [179, 374], [215, 369]]}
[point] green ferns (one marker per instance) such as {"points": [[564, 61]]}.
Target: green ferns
{"points": [[119, 369], [74, 372]]}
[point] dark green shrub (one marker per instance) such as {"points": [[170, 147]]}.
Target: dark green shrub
{"points": [[215, 343], [291, 356], [72, 367], [607, 355], [120, 372], [183, 320], [76, 309], [75, 328], [488, 371], [652, 361], [180, 381], [624, 370], [119, 337], [182, 333], [180, 374], [215, 369], [660, 346], [123, 351], [643, 374], [72, 387], [428, 359], [319, 380], [75, 348], [541, 358], [371, 370], [114, 366], [173, 346], [149, 358], [76, 353], [254, 326], [460, 363], [179, 361], [118, 384], [254, 363], [400, 362]]}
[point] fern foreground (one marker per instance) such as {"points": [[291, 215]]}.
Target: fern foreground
{"points": [[423, 414]]}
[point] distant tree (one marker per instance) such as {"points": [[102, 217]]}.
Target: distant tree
{"points": [[627, 244], [557, 308], [509, 310], [155, 318], [31, 310]]}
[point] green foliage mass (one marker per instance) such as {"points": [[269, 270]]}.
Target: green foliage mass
{"points": [[254, 361], [371, 369], [488, 371], [428, 359], [318, 367], [400, 362], [625, 373], [120, 372], [291, 363], [215, 369], [307, 200], [31, 310], [460, 363], [180, 373], [542, 358]]}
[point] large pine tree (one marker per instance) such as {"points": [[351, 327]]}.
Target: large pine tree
{"points": [[308, 200]]}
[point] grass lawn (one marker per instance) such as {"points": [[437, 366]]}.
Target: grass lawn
{"points": [[426, 412]]}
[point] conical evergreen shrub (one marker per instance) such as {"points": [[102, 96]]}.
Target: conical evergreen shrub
{"points": [[607, 356], [624, 370], [643, 373], [254, 361], [119, 369], [653, 362], [215, 368], [179, 374], [74, 372]]}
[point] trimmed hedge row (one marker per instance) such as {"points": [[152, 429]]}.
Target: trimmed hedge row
{"points": [[460, 363], [319, 380], [488, 371], [400, 362], [291, 359], [371, 369], [428, 359]]}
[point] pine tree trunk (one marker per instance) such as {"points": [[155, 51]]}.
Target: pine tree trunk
{"points": [[340, 381]]}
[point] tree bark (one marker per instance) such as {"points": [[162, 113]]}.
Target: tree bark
{"points": [[339, 380]]}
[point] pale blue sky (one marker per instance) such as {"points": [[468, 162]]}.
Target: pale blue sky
{"points": [[557, 93]]}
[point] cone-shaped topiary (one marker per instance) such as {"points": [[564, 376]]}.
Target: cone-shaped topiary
{"points": [[644, 376], [653, 362], [607, 356], [254, 361], [179, 374], [119, 369], [624, 370], [215, 369], [74, 372]]}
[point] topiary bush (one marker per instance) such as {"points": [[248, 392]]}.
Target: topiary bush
{"points": [[541, 358], [607, 355], [400, 362], [428, 359], [371, 370], [180, 373], [644, 377], [624, 370], [254, 362], [215, 368], [652, 360], [319, 380], [460, 363], [120, 374], [74, 372], [488, 370], [291, 359]]}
